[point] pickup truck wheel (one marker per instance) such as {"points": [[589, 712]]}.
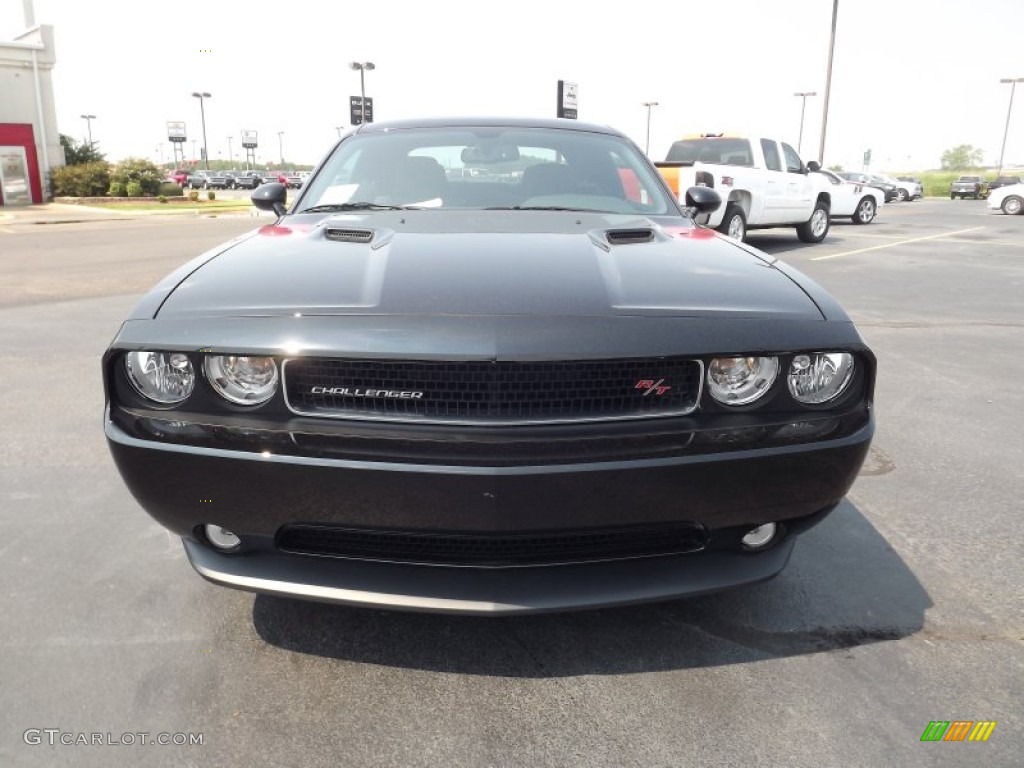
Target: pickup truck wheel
{"points": [[734, 223], [865, 213], [1013, 205], [952, 196], [815, 228], [901, 195]]}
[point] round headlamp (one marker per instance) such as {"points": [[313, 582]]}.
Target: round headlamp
{"points": [[163, 377], [240, 379], [741, 380], [820, 376]]}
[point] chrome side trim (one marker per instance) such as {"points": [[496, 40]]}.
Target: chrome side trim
{"points": [[491, 423]]}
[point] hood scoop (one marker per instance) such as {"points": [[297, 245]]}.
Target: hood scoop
{"points": [[348, 234], [630, 236]]}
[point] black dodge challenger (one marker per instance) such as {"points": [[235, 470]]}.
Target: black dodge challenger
{"points": [[487, 366]]}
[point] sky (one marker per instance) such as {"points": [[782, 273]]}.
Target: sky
{"points": [[911, 78]]}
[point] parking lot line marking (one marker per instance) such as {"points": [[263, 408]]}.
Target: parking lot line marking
{"points": [[899, 242]]}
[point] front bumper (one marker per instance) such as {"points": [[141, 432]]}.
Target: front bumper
{"points": [[487, 592], [255, 495]]}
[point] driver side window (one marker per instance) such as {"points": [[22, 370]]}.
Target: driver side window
{"points": [[793, 164]]}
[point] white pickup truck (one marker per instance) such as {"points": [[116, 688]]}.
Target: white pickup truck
{"points": [[763, 183]]}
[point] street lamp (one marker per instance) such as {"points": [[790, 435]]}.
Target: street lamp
{"points": [[647, 144], [202, 112], [280, 146], [231, 155], [362, 67], [1013, 85], [338, 129], [803, 105], [88, 124]]}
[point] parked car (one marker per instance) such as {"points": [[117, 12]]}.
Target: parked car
{"points": [[294, 179], [968, 186], [1002, 181], [449, 395], [179, 176], [905, 190], [857, 201], [887, 187], [219, 180], [197, 179], [248, 179], [1009, 199]]}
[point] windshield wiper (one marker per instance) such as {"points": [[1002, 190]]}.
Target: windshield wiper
{"points": [[358, 207], [542, 208]]}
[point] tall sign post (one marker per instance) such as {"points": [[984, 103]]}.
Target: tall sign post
{"points": [[249, 144], [567, 99], [176, 135]]}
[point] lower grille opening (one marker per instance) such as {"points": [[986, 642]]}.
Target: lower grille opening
{"points": [[493, 550]]}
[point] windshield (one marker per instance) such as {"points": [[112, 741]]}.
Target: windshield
{"points": [[487, 168], [717, 151]]}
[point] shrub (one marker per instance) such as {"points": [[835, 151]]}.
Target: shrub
{"points": [[85, 180], [133, 189], [139, 170], [193, 195], [170, 189], [116, 189], [162, 198], [210, 195]]}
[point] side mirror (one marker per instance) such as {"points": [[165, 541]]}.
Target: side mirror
{"points": [[703, 199], [271, 197], [813, 165]]}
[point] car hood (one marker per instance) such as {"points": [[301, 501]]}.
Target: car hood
{"points": [[487, 263]]}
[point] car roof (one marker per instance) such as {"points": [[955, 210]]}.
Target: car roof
{"points": [[488, 122]]}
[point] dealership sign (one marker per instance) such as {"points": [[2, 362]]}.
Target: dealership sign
{"points": [[249, 139], [176, 131], [567, 93]]}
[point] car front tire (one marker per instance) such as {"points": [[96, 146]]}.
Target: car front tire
{"points": [[901, 195], [1013, 205], [815, 228], [865, 212]]}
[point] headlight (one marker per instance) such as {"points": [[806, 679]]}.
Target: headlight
{"points": [[163, 377], [819, 377], [242, 380], [741, 380]]}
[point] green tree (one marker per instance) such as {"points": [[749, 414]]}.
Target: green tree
{"points": [[79, 154], [837, 168], [960, 157]]}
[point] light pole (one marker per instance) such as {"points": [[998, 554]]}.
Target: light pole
{"points": [[1013, 85], [362, 67], [338, 129], [803, 105], [828, 83], [231, 155], [647, 144], [280, 146], [202, 112], [88, 124]]}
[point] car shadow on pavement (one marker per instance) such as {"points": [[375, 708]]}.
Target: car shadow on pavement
{"points": [[844, 587]]}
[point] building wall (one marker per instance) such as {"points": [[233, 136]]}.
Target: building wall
{"points": [[18, 107]]}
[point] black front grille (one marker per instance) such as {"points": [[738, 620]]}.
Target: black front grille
{"points": [[493, 550], [488, 391]]}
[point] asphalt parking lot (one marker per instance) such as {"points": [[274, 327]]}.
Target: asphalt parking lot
{"points": [[905, 606]]}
